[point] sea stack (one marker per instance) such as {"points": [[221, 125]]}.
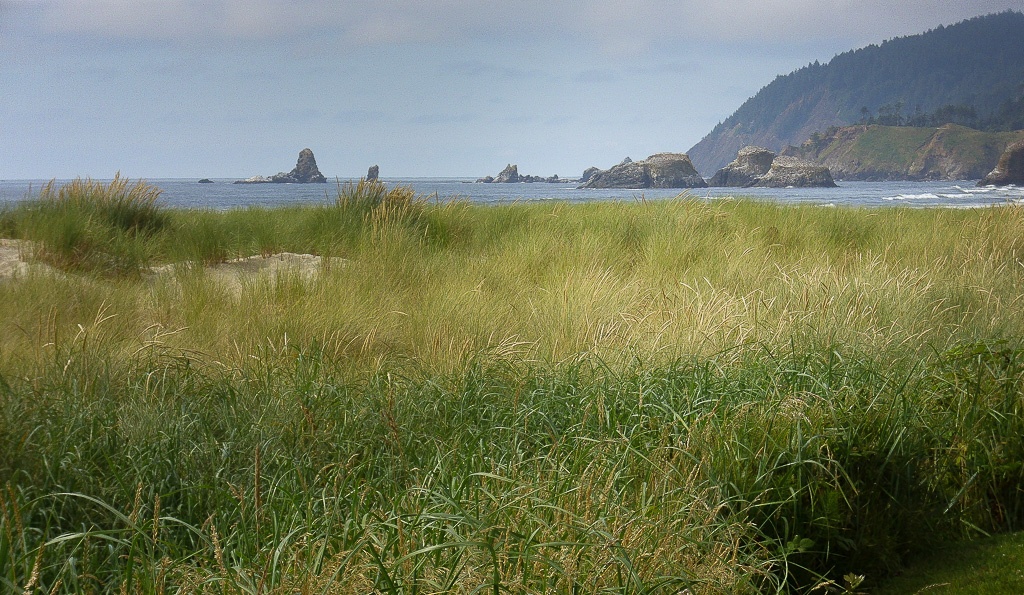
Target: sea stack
{"points": [[509, 175], [305, 171], [662, 170], [759, 167], [750, 164], [1009, 170], [589, 173], [372, 173], [790, 171]]}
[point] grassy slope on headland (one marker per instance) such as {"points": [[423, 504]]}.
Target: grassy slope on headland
{"points": [[549, 397], [877, 152]]}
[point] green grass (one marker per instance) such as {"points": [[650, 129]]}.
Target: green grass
{"points": [[972, 146], [993, 566], [882, 146], [889, 151], [86, 225], [606, 398], [441, 283]]}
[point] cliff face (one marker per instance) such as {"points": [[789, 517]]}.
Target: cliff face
{"points": [[880, 153], [1009, 170]]}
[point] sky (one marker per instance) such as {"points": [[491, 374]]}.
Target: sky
{"points": [[232, 88]]}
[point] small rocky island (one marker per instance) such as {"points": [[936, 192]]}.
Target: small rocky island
{"points": [[511, 175], [662, 170], [305, 172], [759, 167], [1009, 170], [750, 164]]}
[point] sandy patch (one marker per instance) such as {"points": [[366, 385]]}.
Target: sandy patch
{"points": [[232, 272], [12, 263]]}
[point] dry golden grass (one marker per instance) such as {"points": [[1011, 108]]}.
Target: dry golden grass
{"points": [[548, 283]]}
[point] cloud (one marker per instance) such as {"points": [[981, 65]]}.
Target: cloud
{"points": [[674, 68], [359, 116], [10, 11], [437, 119], [175, 19], [597, 76], [355, 22], [480, 69], [624, 22], [295, 115], [619, 25]]}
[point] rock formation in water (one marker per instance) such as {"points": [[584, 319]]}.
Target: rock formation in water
{"points": [[1009, 170], [254, 180], [750, 164], [305, 172], [663, 170], [790, 171], [757, 166], [511, 175], [206, 181], [588, 173], [372, 173]]}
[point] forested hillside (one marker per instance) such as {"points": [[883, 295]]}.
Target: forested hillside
{"points": [[976, 65]]}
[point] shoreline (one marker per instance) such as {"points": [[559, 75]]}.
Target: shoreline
{"points": [[221, 195]]}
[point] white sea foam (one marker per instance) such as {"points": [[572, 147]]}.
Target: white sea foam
{"points": [[925, 196], [185, 193]]}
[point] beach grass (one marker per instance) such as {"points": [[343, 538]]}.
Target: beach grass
{"points": [[438, 283], [657, 396]]}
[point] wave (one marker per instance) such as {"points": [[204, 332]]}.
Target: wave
{"points": [[925, 196], [977, 189]]}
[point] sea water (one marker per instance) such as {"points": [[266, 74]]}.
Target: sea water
{"points": [[223, 194]]}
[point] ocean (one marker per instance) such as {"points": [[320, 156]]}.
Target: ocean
{"points": [[222, 194]]}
